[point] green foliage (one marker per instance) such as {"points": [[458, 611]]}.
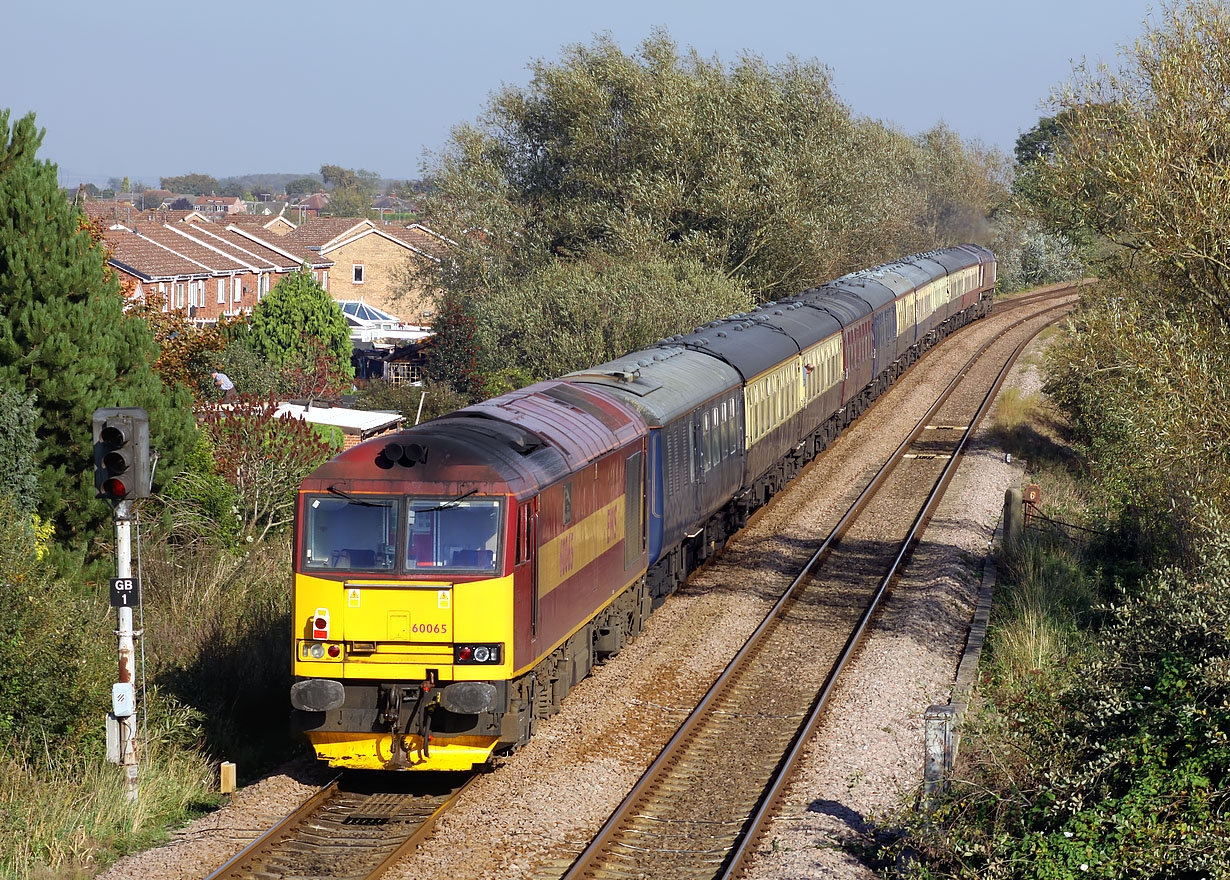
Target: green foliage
{"points": [[18, 447], [351, 192], [191, 184], [57, 650], [1029, 256], [302, 186], [296, 316], [571, 315], [264, 458], [200, 504], [65, 338], [454, 358], [1113, 759], [1148, 393], [252, 374], [440, 399]]}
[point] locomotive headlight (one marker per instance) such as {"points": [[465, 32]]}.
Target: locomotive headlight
{"points": [[317, 650], [471, 655]]}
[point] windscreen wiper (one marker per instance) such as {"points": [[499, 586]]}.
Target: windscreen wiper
{"points": [[353, 500], [448, 505]]}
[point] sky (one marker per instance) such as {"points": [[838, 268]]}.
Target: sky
{"points": [[152, 88]]}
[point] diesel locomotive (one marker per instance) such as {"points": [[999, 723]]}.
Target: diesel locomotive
{"points": [[454, 580]]}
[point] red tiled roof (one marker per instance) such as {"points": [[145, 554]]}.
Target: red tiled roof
{"points": [[319, 232], [169, 237], [258, 236], [431, 243], [143, 256]]}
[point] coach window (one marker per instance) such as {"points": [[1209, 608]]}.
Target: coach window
{"points": [[715, 441], [567, 503], [732, 437], [706, 443]]}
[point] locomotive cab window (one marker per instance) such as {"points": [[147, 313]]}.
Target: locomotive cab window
{"points": [[459, 535], [345, 533]]}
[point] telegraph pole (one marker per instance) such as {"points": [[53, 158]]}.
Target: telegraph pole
{"points": [[122, 473]]}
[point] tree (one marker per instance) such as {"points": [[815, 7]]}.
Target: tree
{"points": [[186, 353], [302, 186], [64, 336], [1142, 161], [352, 191], [574, 314], [191, 184], [264, 458], [19, 447], [294, 317], [338, 177]]}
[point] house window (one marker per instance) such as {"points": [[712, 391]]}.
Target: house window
{"points": [[221, 291], [324, 279], [236, 289], [179, 295], [358, 273]]}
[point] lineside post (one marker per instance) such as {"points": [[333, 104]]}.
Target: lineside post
{"points": [[123, 692], [938, 725]]}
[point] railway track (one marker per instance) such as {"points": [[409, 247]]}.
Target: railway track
{"points": [[357, 826], [699, 808]]}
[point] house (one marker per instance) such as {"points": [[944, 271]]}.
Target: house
{"points": [[219, 205], [278, 224], [369, 261], [204, 269], [309, 206]]}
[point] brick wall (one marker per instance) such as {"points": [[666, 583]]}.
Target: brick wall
{"points": [[381, 261]]}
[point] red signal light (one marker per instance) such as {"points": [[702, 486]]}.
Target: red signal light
{"points": [[465, 653], [114, 488], [320, 624], [335, 650]]}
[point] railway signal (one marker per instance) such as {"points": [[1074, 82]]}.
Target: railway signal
{"points": [[122, 473], [121, 453]]}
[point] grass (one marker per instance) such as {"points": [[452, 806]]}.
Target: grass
{"points": [[68, 815]]}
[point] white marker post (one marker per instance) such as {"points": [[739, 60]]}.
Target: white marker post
{"points": [[126, 593]]}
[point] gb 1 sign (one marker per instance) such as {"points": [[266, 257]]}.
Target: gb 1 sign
{"points": [[125, 592]]}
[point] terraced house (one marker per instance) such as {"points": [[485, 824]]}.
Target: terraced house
{"points": [[209, 270]]}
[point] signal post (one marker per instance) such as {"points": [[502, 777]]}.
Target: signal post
{"points": [[121, 474]]}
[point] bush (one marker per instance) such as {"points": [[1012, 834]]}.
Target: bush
{"points": [[58, 652]]}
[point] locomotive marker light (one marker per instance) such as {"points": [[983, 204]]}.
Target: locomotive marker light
{"points": [[122, 473], [320, 625]]}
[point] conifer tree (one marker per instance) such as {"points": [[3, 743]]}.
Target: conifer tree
{"points": [[64, 337]]}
